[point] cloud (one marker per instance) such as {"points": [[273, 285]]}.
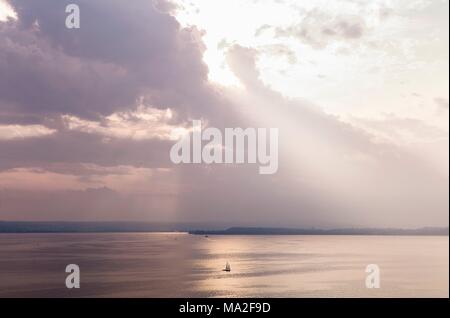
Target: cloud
{"points": [[279, 50], [144, 123], [75, 147], [88, 193], [8, 132], [442, 103], [318, 29], [125, 179], [400, 130], [119, 54]]}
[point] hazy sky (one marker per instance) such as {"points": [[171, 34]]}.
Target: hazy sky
{"points": [[358, 90]]}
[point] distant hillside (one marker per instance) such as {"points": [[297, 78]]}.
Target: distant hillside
{"points": [[349, 231], [123, 227], [91, 227]]}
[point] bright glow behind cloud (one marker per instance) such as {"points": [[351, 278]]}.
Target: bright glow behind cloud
{"points": [[6, 11], [349, 57]]}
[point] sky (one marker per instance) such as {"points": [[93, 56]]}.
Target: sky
{"points": [[358, 90]]}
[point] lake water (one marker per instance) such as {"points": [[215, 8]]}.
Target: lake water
{"points": [[183, 265]]}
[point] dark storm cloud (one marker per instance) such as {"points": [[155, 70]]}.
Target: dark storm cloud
{"points": [[74, 147], [122, 51], [36, 78]]}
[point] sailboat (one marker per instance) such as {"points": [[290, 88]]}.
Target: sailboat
{"points": [[227, 267]]}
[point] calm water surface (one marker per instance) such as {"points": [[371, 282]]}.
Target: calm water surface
{"points": [[183, 265]]}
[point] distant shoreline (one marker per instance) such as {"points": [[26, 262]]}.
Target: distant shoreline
{"points": [[426, 231], [142, 227]]}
